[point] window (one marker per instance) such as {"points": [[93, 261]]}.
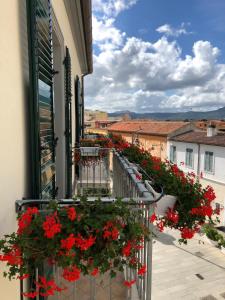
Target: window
{"points": [[208, 167], [173, 154], [189, 159]]}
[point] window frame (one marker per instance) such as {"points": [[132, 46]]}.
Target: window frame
{"points": [[213, 163], [190, 163], [173, 154]]}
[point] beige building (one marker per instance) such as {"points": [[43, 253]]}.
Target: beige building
{"points": [[45, 51], [151, 135]]}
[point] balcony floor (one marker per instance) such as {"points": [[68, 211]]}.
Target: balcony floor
{"points": [[175, 267]]}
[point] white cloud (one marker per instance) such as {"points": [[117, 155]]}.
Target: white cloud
{"points": [[168, 30], [112, 7], [105, 35], [137, 75]]}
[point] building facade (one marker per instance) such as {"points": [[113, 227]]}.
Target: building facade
{"points": [[45, 53], [203, 153], [152, 136]]}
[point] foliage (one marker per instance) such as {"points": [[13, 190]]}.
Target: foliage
{"points": [[194, 203], [88, 238], [213, 234]]}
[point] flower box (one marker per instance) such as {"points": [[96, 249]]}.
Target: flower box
{"points": [[165, 203], [89, 151]]}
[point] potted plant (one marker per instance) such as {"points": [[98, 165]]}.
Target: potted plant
{"points": [[90, 239]]}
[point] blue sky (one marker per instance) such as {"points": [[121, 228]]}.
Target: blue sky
{"points": [[157, 55]]}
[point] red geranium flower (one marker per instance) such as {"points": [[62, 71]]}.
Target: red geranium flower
{"points": [[71, 274], [129, 283], [51, 226], [142, 270]]}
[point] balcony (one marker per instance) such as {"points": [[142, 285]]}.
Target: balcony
{"points": [[103, 172]]}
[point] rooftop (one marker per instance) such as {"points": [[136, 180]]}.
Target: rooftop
{"points": [[200, 137], [147, 127]]}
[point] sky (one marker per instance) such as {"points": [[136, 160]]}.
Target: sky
{"points": [[157, 56]]}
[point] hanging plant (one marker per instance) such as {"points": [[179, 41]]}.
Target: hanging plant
{"points": [[90, 239], [193, 206]]}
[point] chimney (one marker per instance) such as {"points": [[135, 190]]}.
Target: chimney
{"points": [[211, 130]]}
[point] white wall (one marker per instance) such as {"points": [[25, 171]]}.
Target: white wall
{"points": [[215, 179], [14, 124], [218, 174], [181, 153]]}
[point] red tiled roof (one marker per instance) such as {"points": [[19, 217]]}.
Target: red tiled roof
{"points": [[147, 127], [200, 137]]}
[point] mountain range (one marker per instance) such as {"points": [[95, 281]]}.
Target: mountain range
{"points": [[218, 114]]}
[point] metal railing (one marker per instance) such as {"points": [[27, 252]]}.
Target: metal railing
{"points": [[93, 176], [104, 169]]}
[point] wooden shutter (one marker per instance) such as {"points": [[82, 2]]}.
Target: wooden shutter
{"points": [[41, 100], [68, 123]]}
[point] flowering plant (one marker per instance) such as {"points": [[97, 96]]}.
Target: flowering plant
{"points": [[194, 203], [89, 238]]}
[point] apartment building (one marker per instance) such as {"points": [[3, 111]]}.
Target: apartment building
{"points": [[202, 152], [46, 50], [151, 135]]}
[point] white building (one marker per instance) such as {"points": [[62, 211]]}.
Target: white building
{"points": [[204, 154], [46, 50]]}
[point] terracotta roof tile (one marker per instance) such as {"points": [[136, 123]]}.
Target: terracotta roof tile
{"points": [[147, 127], [200, 137]]}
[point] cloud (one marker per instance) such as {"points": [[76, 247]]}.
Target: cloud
{"points": [[133, 74], [111, 8], [168, 30], [105, 35]]}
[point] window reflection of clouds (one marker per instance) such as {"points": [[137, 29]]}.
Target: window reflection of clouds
{"points": [[44, 89]]}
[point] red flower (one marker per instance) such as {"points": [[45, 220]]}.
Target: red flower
{"points": [[126, 251], [172, 216], [153, 218], [209, 194], [13, 257], [25, 276], [69, 242], [106, 234], [25, 219], [84, 244], [71, 213], [51, 226], [202, 211], [129, 283], [160, 225], [115, 233], [142, 270], [48, 287], [95, 272], [187, 233], [30, 294], [71, 274]]}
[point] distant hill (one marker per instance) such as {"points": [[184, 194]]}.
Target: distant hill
{"points": [[218, 114]]}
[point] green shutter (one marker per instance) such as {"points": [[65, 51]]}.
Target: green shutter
{"points": [[68, 123], [78, 112], [41, 100]]}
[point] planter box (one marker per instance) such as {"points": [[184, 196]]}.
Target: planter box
{"points": [[166, 202], [89, 151]]}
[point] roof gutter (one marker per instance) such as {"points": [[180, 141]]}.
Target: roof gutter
{"points": [[80, 18]]}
